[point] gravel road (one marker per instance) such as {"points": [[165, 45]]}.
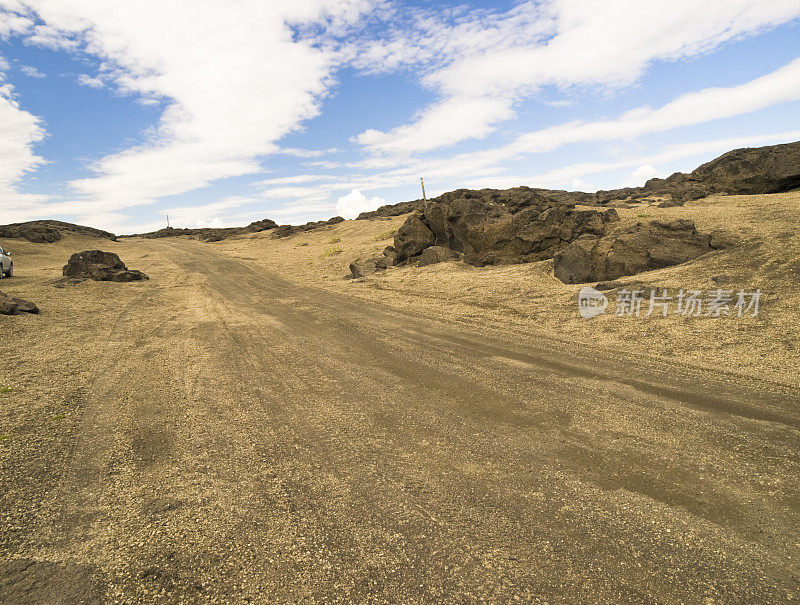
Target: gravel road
{"points": [[242, 438]]}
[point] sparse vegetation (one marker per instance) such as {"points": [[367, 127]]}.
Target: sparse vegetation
{"points": [[302, 244], [333, 251], [6, 389], [385, 235], [643, 215], [58, 417], [334, 240], [4, 437]]}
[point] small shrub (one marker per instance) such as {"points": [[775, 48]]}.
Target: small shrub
{"points": [[4, 437], [59, 417], [331, 251], [6, 389], [642, 215], [334, 240], [385, 235]]}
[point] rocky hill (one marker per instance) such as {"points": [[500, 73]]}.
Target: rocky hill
{"points": [[41, 232], [209, 234], [212, 234], [757, 170]]}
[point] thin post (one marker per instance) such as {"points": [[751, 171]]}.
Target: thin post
{"points": [[424, 199], [168, 221]]}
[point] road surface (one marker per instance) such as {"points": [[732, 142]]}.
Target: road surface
{"points": [[247, 439]]}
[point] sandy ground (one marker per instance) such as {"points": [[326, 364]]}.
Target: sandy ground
{"points": [[248, 426]]}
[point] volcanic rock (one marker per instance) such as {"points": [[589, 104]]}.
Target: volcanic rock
{"points": [[492, 227], [641, 247], [436, 254], [100, 266], [11, 306]]}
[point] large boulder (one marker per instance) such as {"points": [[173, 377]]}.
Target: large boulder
{"points": [[412, 237], [493, 227], [10, 305], [641, 247], [100, 266]]}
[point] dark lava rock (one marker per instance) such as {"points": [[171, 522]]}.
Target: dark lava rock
{"points": [[100, 266], [11, 306], [362, 268], [492, 227], [412, 237], [436, 254], [771, 169], [45, 232], [391, 210], [391, 254], [642, 247], [287, 230], [210, 234]]}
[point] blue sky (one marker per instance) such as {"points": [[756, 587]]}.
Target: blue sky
{"points": [[114, 114]]}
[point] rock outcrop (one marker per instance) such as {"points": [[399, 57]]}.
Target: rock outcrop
{"points": [[641, 247], [287, 230], [10, 305], [45, 232], [771, 169], [491, 227], [210, 234], [391, 210], [757, 170], [100, 266]]}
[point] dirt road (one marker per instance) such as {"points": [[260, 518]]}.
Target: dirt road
{"points": [[240, 438]]}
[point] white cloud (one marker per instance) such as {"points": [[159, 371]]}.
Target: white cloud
{"points": [[31, 71], [782, 85], [233, 77], [448, 122], [699, 151], [641, 175], [91, 82], [215, 222], [355, 202], [20, 131], [580, 46]]}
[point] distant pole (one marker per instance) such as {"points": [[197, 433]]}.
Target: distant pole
{"points": [[424, 199], [168, 221]]}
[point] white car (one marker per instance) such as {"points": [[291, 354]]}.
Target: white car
{"points": [[6, 264]]}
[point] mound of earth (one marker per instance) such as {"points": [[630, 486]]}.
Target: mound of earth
{"points": [[12, 306], [42, 232], [641, 247], [492, 227], [100, 266]]}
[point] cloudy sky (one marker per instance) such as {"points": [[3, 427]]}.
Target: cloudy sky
{"points": [[115, 113]]}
